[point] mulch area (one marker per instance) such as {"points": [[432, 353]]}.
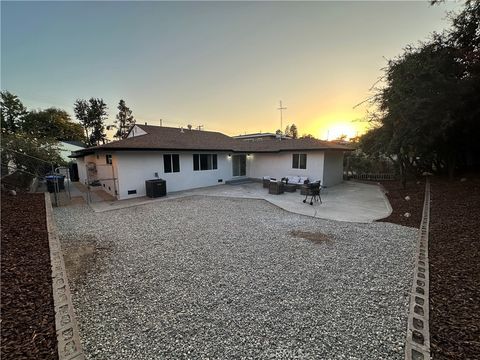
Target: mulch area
{"points": [[397, 195], [28, 318], [454, 257]]}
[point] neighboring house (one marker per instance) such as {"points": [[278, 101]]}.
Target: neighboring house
{"points": [[260, 136], [67, 147], [189, 159]]}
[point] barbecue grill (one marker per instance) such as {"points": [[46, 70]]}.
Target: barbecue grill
{"points": [[312, 190]]}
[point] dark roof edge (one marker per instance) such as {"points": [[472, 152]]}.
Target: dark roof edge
{"points": [[90, 151]]}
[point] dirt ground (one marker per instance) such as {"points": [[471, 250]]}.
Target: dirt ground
{"points": [[316, 237], [454, 256], [28, 319], [80, 256]]}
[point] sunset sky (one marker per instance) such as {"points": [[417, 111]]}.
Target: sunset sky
{"points": [[224, 65]]}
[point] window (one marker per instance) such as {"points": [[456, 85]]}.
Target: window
{"points": [[204, 162], [299, 161], [108, 159], [171, 163]]}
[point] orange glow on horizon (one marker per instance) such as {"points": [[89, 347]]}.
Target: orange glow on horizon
{"points": [[332, 126]]}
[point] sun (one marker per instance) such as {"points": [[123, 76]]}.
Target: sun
{"points": [[339, 130]]}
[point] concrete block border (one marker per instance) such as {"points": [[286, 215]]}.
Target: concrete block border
{"points": [[417, 346], [68, 338]]}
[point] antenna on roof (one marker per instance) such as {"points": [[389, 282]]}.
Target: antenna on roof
{"points": [[281, 108], [200, 127]]}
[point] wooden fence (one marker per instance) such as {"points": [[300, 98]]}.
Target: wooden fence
{"points": [[373, 176]]}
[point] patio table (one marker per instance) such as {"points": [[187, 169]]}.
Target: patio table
{"points": [[290, 187]]}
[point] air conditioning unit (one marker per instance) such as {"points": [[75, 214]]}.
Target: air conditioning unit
{"points": [[156, 188]]}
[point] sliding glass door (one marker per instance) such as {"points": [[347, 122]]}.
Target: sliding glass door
{"points": [[239, 163]]}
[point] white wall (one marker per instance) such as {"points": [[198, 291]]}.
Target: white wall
{"points": [[333, 170], [105, 173], [82, 173], [134, 167], [279, 165]]}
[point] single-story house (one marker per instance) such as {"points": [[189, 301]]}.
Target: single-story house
{"points": [[260, 136], [188, 159], [67, 147]]}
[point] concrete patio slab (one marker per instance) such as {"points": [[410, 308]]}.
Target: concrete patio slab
{"points": [[348, 201]]}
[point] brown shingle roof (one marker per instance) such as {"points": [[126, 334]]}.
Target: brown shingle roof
{"points": [[168, 138]]}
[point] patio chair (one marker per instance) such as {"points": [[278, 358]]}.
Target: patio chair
{"points": [[312, 190], [266, 181], [276, 187]]}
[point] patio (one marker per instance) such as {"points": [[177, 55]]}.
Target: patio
{"points": [[349, 201]]}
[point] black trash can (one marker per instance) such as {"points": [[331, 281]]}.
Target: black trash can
{"points": [[51, 179], [156, 188]]}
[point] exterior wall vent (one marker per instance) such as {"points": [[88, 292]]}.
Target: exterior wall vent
{"points": [[131, 192]]}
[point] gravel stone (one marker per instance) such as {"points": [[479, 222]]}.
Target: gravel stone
{"points": [[217, 278]]}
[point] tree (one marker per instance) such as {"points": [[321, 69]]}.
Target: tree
{"points": [[307, 136], [52, 123], [92, 116], [124, 120], [12, 112], [29, 144], [341, 138], [97, 116], [81, 108], [428, 112], [293, 131], [29, 154]]}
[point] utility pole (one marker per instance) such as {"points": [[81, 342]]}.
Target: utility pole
{"points": [[281, 108]]}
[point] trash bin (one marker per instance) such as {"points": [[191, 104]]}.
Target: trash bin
{"points": [[156, 188], [51, 179]]}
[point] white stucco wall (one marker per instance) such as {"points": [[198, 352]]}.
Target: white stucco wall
{"points": [[82, 172], [134, 167], [333, 169], [105, 173], [279, 165]]}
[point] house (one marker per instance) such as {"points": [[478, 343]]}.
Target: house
{"points": [[66, 148], [188, 159], [260, 136]]}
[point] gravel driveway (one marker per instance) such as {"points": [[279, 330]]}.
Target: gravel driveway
{"points": [[220, 278]]}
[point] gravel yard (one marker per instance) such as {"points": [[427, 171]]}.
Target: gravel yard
{"points": [[205, 277]]}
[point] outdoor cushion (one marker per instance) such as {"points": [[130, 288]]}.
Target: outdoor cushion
{"points": [[302, 179], [293, 179]]}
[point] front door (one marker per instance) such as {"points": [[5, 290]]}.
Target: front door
{"points": [[239, 163]]}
